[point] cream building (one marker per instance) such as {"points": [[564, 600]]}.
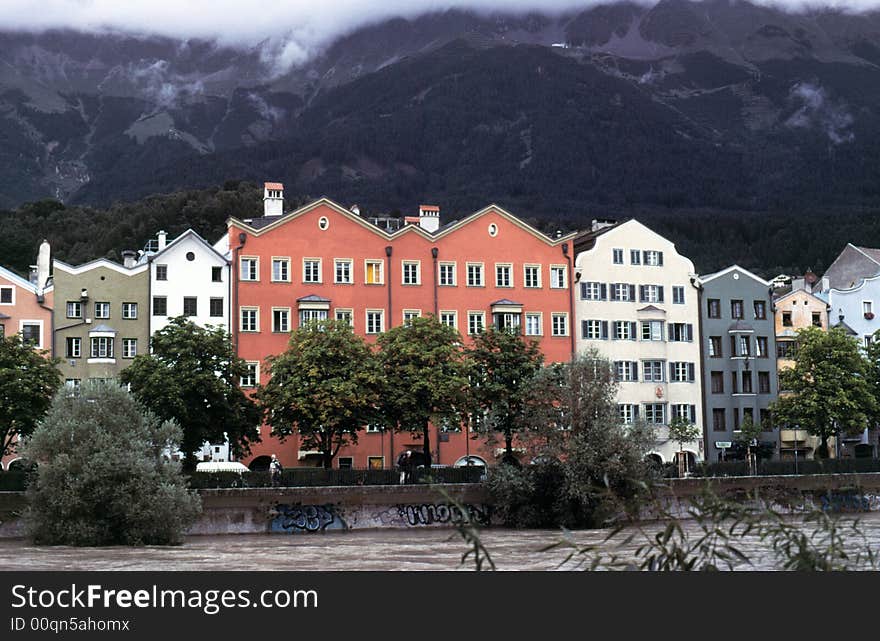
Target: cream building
{"points": [[637, 303]]}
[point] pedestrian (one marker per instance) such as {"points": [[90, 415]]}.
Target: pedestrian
{"points": [[275, 470]]}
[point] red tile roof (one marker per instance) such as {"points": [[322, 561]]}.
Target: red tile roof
{"points": [[429, 208], [274, 186]]}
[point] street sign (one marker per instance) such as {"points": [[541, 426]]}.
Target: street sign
{"points": [[723, 445]]}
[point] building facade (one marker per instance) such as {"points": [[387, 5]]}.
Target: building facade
{"points": [[101, 317], [325, 261], [739, 358], [638, 304]]}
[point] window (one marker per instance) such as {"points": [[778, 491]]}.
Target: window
{"points": [[734, 383], [560, 324], [475, 274], [2, 330], [747, 383], [623, 292], [817, 319], [533, 324], [410, 314], [162, 272], [736, 309], [761, 346], [594, 329], [760, 310], [652, 330], [717, 382], [764, 382], [628, 413], [503, 276], [867, 307], [653, 371], [129, 311], [714, 308], [557, 277], [786, 319], [766, 420], [655, 413], [685, 411], [342, 272], [719, 424], [476, 322], [375, 321], [216, 274], [635, 257], [72, 384], [216, 307], [786, 349], [715, 350], [102, 310], [373, 271], [678, 295], [624, 330], [6, 296], [867, 340], [249, 268], [510, 321], [311, 270], [652, 258], [681, 332], [375, 462], [532, 275], [411, 273], [280, 270], [449, 319], [102, 347], [447, 274], [190, 306], [74, 347], [626, 371], [160, 306], [74, 309], [281, 319], [594, 291], [250, 319], [129, 347], [345, 316], [374, 428], [31, 333], [618, 256], [307, 316], [651, 293], [745, 346], [681, 372], [345, 462], [251, 376]]}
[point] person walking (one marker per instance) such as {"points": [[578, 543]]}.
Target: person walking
{"points": [[275, 470]]}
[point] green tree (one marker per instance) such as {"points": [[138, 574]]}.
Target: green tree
{"points": [[28, 381], [104, 477], [503, 368], [829, 390], [325, 387], [425, 376], [682, 431], [192, 377]]}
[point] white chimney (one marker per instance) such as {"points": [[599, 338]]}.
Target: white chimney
{"points": [[129, 258], [43, 265], [356, 210], [429, 218], [163, 239], [273, 199]]}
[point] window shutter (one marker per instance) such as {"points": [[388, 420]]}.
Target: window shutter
{"points": [[613, 292], [693, 413], [691, 369], [604, 326], [584, 325], [641, 293], [660, 293], [671, 371], [603, 291], [583, 291], [633, 329], [660, 258], [635, 412], [645, 257], [690, 332], [632, 292], [669, 333]]}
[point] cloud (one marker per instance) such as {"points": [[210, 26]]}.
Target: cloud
{"points": [[818, 111]]}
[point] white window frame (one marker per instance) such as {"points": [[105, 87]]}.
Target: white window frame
{"points": [[564, 271], [255, 260], [374, 261], [678, 288], [440, 271], [337, 262], [479, 314], [628, 372], [615, 253], [127, 343], [253, 371], [651, 258], [75, 341], [348, 312], [281, 260], [78, 307], [367, 329], [404, 264], [536, 271], [308, 260], [11, 288], [275, 329], [626, 413], [102, 302], [540, 318], [649, 415], [508, 267], [126, 311], [453, 314], [248, 308], [867, 307], [662, 371], [652, 293], [621, 292], [39, 323], [307, 315], [481, 270], [652, 325], [623, 335], [554, 317], [594, 329], [108, 354], [409, 314]]}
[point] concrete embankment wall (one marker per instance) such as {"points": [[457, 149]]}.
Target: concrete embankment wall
{"points": [[314, 509]]}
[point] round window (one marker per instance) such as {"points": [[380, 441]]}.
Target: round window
{"points": [[190, 256], [323, 222], [493, 229]]}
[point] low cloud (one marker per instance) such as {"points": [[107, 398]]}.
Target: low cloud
{"points": [[817, 111]]}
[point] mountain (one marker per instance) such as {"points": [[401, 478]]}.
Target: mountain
{"points": [[620, 108]]}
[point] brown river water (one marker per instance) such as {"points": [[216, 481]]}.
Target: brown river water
{"points": [[424, 549]]}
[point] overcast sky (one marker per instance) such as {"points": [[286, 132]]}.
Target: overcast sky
{"points": [[298, 27]]}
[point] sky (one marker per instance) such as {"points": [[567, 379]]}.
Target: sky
{"points": [[296, 28]]}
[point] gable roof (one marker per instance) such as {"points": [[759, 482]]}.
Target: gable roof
{"points": [[723, 272], [262, 225], [818, 296], [189, 232], [99, 262], [19, 281]]}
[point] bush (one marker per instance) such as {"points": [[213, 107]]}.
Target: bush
{"points": [[103, 478]]}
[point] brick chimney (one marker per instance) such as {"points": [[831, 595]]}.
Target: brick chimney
{"points": [[273, 199]]}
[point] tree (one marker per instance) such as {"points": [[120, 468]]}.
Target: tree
{"points": [[103, 476], [503, 369], [192, 377], [747, 436], [325, 387], [28, 381], [425, 374], [682, 431], [829, 390]]}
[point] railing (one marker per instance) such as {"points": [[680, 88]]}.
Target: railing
{"points": [[777, 468], [317, 477]]}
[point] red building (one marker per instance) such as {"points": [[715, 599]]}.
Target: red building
{"points": [[325, 261]]}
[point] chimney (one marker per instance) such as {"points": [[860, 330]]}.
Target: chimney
{"points": [[356, 210], [273, 199], [43, 265], [429, 218], [163, 239], [601, 223], [129, 258]]}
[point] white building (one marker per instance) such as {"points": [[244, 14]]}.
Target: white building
{"points": [[637, 303], [188, 277]]}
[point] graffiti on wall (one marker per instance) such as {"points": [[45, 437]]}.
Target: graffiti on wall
{"points": [[443, 513], [306, 518], [849, 502]]}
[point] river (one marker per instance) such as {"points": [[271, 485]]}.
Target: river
{"points": [[411, 549]]}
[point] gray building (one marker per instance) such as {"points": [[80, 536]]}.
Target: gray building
{"points": [[738, 338]]}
